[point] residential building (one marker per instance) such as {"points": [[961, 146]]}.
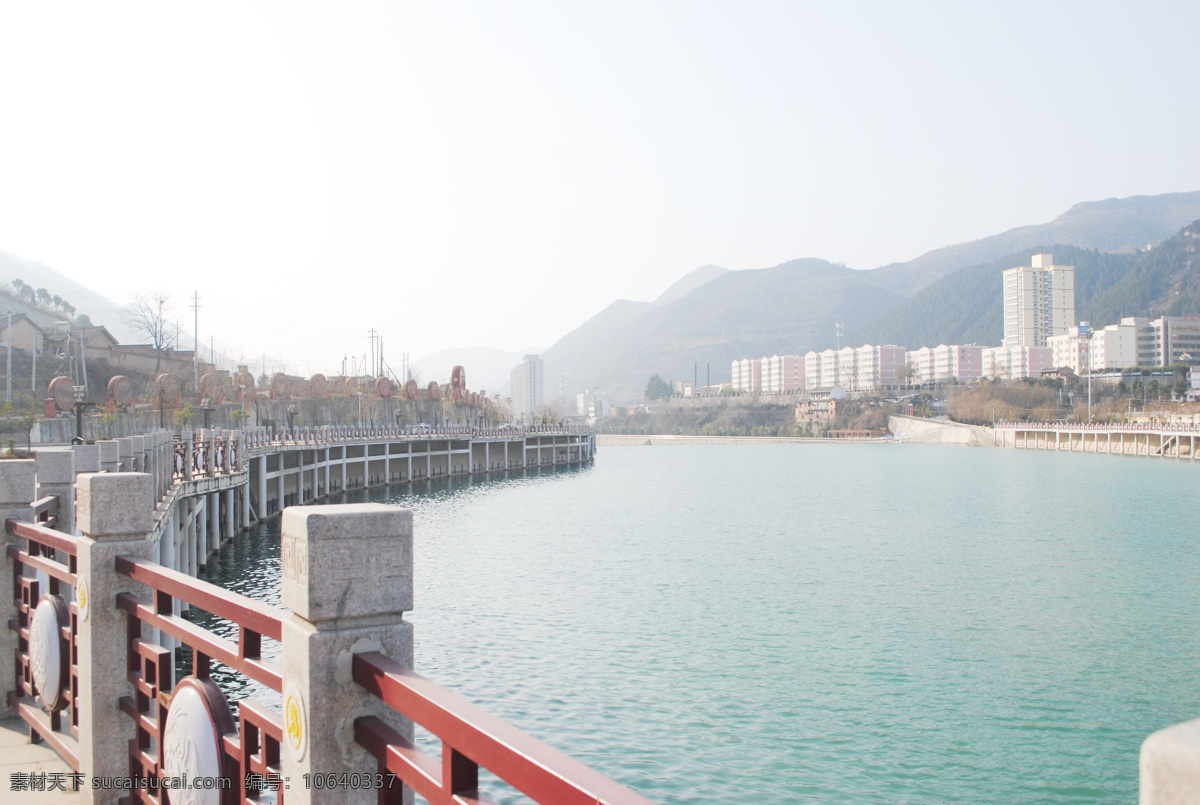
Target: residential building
{"points": [[879, 367], [821, 405], [812, 369], [528, 386], [1072, 349], [1115, 347], [1039, 302], [920, 363], [956, 363], [1009, 363], [747, 376], [782, 374]]}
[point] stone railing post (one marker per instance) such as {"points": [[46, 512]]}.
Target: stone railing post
{"points": [[17, 490], [210, 449], [343, 603], [125, 453], [56, 476], [115, 512], [110, 455]]}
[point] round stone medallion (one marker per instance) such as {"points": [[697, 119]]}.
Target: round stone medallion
{"points": [[197, 718], [295, 721], [46, 656], [83, 601]]}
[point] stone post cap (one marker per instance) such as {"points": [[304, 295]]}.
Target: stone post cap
{"points": [[18, 482], [87, 458], [114, 505], [346, 561], [1170, 765], [56, 465], [110, 451]]}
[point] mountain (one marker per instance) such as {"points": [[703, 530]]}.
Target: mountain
{"points": [[1112, 225], [712, 316], [100, 309], [966, 307], [790, 307]]}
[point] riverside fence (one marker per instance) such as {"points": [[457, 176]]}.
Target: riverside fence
{"points": [[96, 630]]}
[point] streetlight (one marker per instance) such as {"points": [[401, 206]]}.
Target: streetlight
{"points": [[80, 405]]}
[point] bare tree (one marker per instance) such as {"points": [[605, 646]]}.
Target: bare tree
{"points": [[149, 314]]}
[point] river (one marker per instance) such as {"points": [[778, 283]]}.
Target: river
{"points": [[814, 623]]}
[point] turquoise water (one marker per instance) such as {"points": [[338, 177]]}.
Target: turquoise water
{"points": [[812, 623]]}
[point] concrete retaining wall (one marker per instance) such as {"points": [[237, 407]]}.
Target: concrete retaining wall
{"points": [[937, 431]]}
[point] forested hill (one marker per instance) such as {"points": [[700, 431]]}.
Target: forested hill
{"points": [[967, 306]]}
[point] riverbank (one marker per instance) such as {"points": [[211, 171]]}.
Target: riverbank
{"points": [[625, 440]]}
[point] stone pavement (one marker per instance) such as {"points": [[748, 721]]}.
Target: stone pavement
{"points": [[21, 760]]}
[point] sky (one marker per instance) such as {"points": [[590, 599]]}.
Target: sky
{"points": [[492, 174]]}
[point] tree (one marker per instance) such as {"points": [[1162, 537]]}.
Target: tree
{"points": [[43, 297], [657, 388], [150, 314], [1152, 389], [1181, 387]]}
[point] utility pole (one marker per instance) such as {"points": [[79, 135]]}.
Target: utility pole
{"points": [[83, 354], [196, 337], [8, 380], [371, 335]]}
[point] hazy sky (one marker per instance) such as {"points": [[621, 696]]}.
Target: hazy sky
{"points": [[492, 174]]}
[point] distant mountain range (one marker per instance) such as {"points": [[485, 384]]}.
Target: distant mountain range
{"points": [[713, 316]]}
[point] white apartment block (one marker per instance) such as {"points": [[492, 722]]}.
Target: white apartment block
{"points": [[868, 368], [1009, 363], [829, 369], [1039, 302], [921, 363], [747, 376], [1115, 347], [847, 368], [528, 382], [812, 369]]}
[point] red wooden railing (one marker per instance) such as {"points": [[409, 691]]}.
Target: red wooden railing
{"points": [[471, 738], [251, 749], [54, 554]]}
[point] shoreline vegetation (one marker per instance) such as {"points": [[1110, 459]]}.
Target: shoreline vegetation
{"points": [[666, 439]]}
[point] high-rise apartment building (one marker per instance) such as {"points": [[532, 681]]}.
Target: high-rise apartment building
{"points": [[1039, 302], [528, 381]]}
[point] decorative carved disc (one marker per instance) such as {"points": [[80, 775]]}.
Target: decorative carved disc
{"points": [[46, 657], [62, 390], [120, 388], [197, 718]]}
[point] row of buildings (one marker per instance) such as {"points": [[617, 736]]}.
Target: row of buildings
{"points": [[883, 368], [1040, 334]]}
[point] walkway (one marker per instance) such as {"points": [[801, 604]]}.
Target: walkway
{"points": [[25, 765]]}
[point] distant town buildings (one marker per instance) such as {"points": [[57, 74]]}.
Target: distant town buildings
{"points": [[528, 386], [868, 368], [1010, 363], [1040, 334], [1039, 302]]}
